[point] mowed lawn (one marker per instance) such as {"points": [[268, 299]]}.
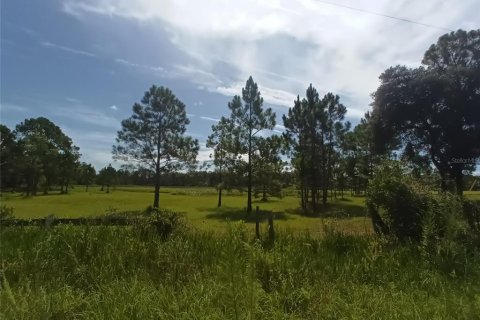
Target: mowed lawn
{"points": [[198, 205]]}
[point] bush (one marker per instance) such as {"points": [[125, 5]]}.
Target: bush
{"points": [[396, 205], [165, 222], [408, 209], [471, 212], [5, 212]]}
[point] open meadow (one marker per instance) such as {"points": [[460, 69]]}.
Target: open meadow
{"points": [[212, 267], [197, 204]]}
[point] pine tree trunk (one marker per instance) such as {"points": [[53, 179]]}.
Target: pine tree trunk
{"points": [[219, 197], [249, 197], [156, 197]]}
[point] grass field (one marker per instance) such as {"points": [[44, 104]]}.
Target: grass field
{"points": [[198, 205], [218, 270], [80, 272]]}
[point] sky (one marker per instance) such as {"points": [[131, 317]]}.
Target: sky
{"points": [[84, 63]]}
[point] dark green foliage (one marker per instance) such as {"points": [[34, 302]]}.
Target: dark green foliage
{"points": [[10, 156], [314, 130], [248, 118], [395, 206], [107, 177], [48, 156], [434, 109], [471, 211], [268, 167], [402, 205], [224, 159], [164, 221], [154, 136], [86, 174]]}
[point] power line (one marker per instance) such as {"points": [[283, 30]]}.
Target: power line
{"points": [[384, 15]]}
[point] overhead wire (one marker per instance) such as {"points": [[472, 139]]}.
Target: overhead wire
{"points": [[383, 15]]}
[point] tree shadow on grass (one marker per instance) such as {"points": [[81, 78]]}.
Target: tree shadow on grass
{"points": [[260, 201], [237, 214], [341, 209]]}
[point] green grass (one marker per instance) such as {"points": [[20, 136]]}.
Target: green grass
{"points": [[198, 204], [73, 272], [474, 195]]}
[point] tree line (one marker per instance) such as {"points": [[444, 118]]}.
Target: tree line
{"points": [[427, 117]]}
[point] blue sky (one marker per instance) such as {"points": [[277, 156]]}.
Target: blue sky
{"points": [[83, 63]]}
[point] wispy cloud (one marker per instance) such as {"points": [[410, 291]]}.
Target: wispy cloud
{"points": [[286, 45], [137, 65], [72, 100], [270, 95], [210, 119], [67, 49], [94, 117], [113, 107], [9, 107], [127, 63]]}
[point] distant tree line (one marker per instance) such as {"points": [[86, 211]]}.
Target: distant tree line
{"points": [[37, 155]]}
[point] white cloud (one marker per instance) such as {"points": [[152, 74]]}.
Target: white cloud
{"points": [[127, 63], [286, 45], [273, 96], [89, 115], [136, 65], [72, 100], [210, 119], [204, 153], [114, 108], [9, 107], [67, 49]]}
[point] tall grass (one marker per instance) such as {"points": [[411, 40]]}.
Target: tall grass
{"points": [[134, 273]]}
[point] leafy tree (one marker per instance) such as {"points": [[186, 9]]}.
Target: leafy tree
{"points": [[297, 143], [107, 177], [248, 119], [434, 109], [86, 174], [154, 136], [223, 159], [9, 158], [47, 153], [268, 168], [334, 129], [359, 154], [68, 164], [314, 128]]}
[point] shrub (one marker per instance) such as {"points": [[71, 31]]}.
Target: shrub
{"points": [[5, 212], [471, 212], [395, 204], [408, 209], [165, 222]]}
